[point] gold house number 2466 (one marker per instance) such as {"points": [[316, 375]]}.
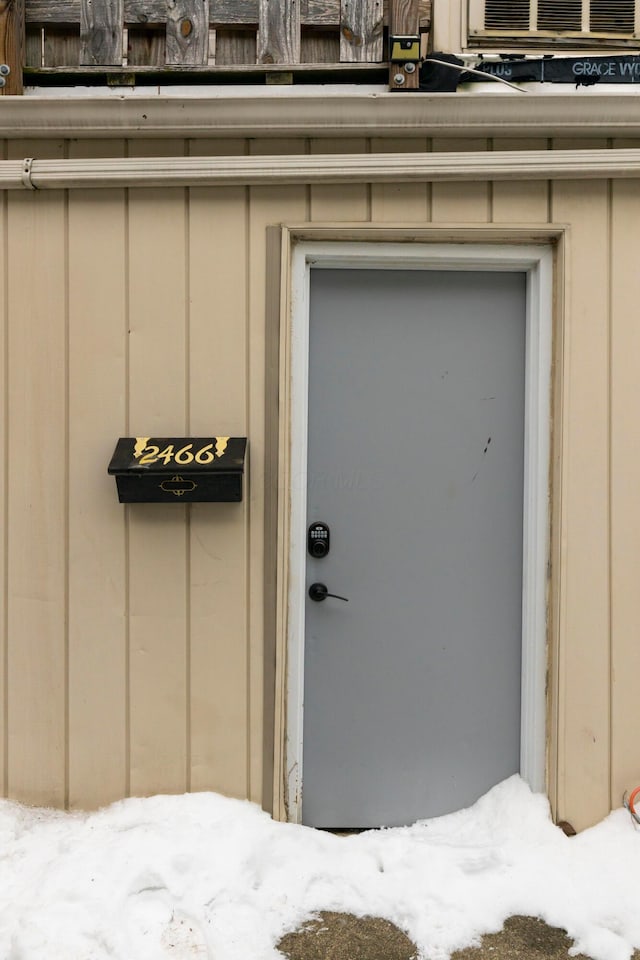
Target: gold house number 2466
{"points": [[147, 453]]}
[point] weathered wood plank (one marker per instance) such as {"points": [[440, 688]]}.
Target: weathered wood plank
{"points": [[145, 48], [278, 31], [101, 31], [187, 31], [154, 12], [403, 17], [424, 14], [33, 47], [52, 11], [320, 46], [403, 21], [233, 11], [12, 43], [361, 23], [61, 47], [235, 47], [242, 67], [318, 13]]}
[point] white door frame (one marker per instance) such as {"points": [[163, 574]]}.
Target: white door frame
{"points": [[537, 262]]}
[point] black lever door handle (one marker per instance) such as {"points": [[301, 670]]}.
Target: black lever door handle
{"points": [[318, 592]]}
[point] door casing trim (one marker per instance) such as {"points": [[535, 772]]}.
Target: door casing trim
{"points": [[537, 260]]}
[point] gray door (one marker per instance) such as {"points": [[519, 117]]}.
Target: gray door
{"points": [[415, 463]]}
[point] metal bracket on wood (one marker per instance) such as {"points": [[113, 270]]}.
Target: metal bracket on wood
{"points": [[404, 57], [404, 45], [12, 46]]}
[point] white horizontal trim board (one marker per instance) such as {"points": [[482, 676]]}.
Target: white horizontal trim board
{"points": [[328, 168]]}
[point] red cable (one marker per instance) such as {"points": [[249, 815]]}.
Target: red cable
{"points": [[635, 793]]}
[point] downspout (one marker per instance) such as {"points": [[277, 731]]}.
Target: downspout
{"points": [[34, 174]]}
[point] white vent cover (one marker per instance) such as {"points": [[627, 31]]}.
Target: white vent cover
{"points": [[569, 19]]}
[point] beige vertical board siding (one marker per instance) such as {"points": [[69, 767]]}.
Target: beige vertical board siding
{"points": [[520, 201], [349, 201], [4, 474], [625, 484], [400, 201], [37, 476], [527, 201], [158, 534], [268, 206], [446, 20], [97, 535], [217, 400], [468, 202], [584, 642]]}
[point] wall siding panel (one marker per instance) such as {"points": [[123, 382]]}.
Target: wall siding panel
{"points": [[583, 656], [349, 201], [400, 201], [97, 531], [158, 536], [460, 202], [4, 483], [219, 669], [268, 205], [517, 201], [625, 484], [158, 318], [37, 522]]}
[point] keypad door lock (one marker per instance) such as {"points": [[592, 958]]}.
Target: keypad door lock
{"points": [[318, 540]]}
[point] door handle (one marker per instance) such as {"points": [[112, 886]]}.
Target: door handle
{"points": [[318, 592]]}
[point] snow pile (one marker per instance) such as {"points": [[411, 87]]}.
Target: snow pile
{"points": [[202, 876]]}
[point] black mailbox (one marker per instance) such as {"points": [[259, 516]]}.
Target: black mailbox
{"points": [[178, 469]]}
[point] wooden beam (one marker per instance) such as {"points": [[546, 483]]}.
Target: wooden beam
{"points": [[12, 44], [403, 21], [361, 23], [278, 31], [232, 12], [52, 11], [101, 23], [187, 31], [317, 13]]}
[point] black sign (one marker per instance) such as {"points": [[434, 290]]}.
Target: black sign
{"points": [[178, 469], [577, 70]]}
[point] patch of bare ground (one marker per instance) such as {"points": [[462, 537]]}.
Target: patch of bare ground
{"points": [[341, 936]]}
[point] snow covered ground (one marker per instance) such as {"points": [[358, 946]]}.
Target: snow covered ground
{"points": [[202, 876]]}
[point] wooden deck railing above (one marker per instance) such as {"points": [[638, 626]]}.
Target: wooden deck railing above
{"points": [[202, 36]]}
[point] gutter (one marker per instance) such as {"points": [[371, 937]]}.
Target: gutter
{"points": [[387, 115], [33, 174]]}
